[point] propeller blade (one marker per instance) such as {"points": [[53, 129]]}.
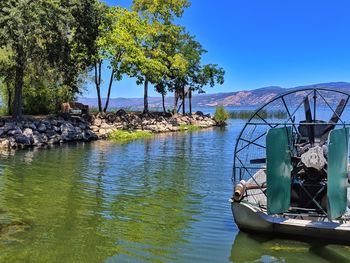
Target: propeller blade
{"points": [[258, 161], [308, 118], [294, 159], [333, 121]]}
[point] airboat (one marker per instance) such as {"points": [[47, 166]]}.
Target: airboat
{"points": [[290, 171]]}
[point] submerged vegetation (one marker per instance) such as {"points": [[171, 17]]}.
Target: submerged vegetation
{"points": [[126, 136], [246, 114]]}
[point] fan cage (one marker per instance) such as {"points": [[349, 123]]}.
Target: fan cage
{"points": [[285, 110]]}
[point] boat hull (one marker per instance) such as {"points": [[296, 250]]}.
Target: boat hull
{"points": [[251, 219]]}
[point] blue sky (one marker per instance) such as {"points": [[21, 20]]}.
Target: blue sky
{"points": [[264, 42]]}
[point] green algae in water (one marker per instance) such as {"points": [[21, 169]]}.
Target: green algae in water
{"points": [[159, 200]]}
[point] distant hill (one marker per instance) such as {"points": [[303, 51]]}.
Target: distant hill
{"points": [[239, 98]]}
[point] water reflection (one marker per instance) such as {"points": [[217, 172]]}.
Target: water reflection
{"points": [[85, 203], [164, 199], [258, 248]]}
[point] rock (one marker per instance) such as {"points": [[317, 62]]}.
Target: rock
{"points": [[2, 132], [50, 133], [94, 128], [101, 115], [12, 142], [2, 123], [4, 143], [106, 126], [56, 129], [8, 126], [97, 122], [82, 126], [37, 140], [102, 131], [68, 132], [55, 139], [14, 132], [89, 136], [22, 139], [53, 122], [28, 132], [121, 112], [111, 117], [42, 127], [199, 113]]}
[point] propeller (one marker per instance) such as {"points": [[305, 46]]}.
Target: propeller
{"points": [[333, 121], [308, 118], [295, 159]]}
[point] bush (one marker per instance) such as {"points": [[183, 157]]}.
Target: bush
{"points": [[221, 116]]}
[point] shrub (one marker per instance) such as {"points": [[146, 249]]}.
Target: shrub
{"points": [[221, 115]]}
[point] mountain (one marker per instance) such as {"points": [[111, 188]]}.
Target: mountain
{"points": [[239, 98]]}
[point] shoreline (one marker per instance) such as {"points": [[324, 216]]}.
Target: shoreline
{"points": [[39, 131]]}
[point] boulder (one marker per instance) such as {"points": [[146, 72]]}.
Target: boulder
{"points": [[41, 127], [28, 132], [121, 112], [4, 143], [22, 139], [97, 122], [199, 113]]}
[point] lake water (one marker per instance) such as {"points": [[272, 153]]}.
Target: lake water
{"points": [[163, 199]]}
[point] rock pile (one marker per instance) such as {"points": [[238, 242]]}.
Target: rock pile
{"points": [[60, 129], [102, 124], [46, 131]]}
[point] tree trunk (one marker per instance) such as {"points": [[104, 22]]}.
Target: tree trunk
{"points": [[98, 84], [163, 102], [9, 99], [175, 102], [109, 91], [190, 100], [183, 100], [145, 97], [19, 75]]}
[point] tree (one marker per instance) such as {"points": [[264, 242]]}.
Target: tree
{"points": [[37, 32], [90, 16], [195, 76], [120, 43], [159, 15], [210, 74]]}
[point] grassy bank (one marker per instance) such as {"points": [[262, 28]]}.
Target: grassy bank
{"points": [[126, 136], [246, 114], [189, 127]]}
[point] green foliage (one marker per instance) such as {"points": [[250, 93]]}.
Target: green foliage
{"points": [[189, 127], [126, 136], [48, 46], [165, 10], [221, 115], [247, 114], [45, 36]]}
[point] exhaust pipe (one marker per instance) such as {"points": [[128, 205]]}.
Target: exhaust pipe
{"points": [[241, 188]]}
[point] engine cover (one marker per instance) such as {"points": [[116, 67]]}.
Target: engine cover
{"points": [[314, 158]]}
